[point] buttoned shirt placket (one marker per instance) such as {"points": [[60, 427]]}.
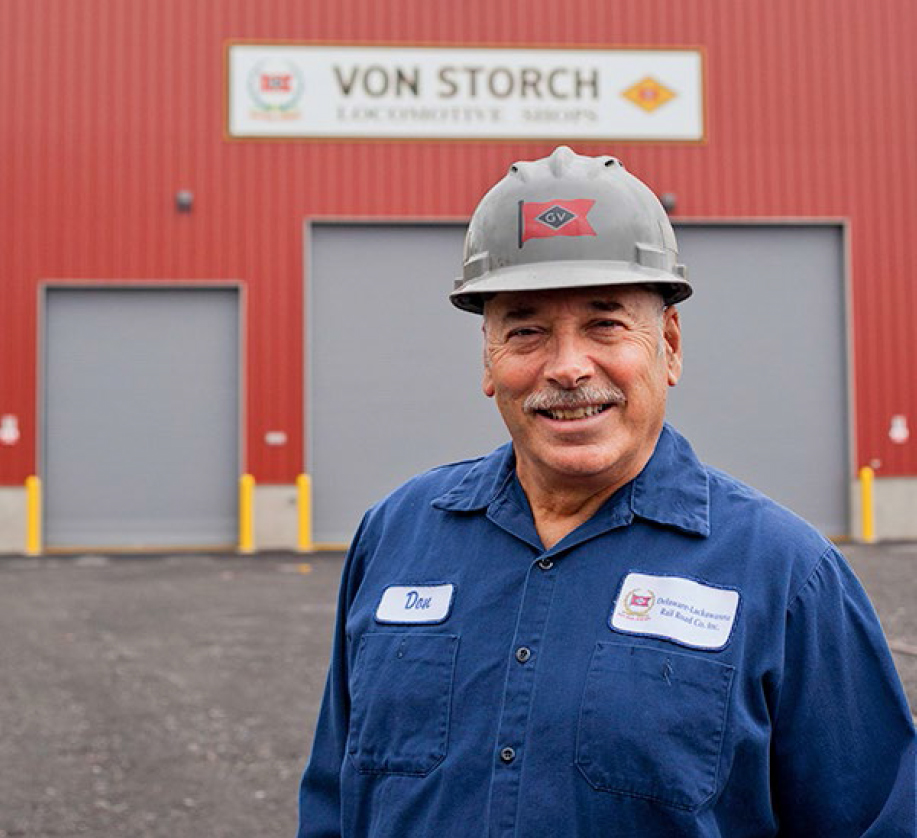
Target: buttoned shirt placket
{"points": [[523, 654], [518, 694]]}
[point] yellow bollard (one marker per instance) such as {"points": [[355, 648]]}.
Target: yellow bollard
{"points": [[304, 514], [867, 506], [33, 516], [246, 514]]}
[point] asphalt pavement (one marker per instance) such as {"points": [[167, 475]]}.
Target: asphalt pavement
{"points": [[176, 695]]}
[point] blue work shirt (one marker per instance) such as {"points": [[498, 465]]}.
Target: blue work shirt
{"points": [[694, 660]]}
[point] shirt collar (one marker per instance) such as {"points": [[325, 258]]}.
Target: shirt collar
{"points": [[485, 480], [672, 490]]}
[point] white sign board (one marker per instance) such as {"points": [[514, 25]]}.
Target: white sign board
{"points": [[289, 91]]}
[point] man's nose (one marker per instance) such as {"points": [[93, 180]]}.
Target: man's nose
{"points": [[569, 363]]}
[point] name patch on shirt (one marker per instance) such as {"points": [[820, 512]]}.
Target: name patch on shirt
{"points": [[674, 608], [415, 604]]}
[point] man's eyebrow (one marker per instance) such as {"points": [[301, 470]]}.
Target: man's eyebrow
{"points": [[607, 305], [522, 312]]}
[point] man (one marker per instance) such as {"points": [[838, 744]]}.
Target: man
{"points": [[588, 632]]}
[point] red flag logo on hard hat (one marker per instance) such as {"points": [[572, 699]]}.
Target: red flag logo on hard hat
{"points": [[554, 218]]}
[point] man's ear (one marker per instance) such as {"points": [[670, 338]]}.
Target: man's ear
{"points": [[671, 335], [487, 385]]}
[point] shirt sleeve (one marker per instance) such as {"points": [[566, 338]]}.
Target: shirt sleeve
{"points": [[320, 790], [843, 749]]}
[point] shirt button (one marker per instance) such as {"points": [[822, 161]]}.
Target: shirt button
{"points": [[523, 653], [507, 755], [545, 564]]}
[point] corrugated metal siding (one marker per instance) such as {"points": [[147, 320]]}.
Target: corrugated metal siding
{"points": [[113, 105]]}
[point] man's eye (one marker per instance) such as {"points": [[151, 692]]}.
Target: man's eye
{"points": [[609, 325], [523, 332]]}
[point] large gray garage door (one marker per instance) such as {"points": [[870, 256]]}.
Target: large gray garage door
{"points": [[141, 404], [394, 382], [394, 370], [764, 391]]}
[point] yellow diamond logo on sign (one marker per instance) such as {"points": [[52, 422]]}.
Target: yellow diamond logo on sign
{"points": [[649, 94]]}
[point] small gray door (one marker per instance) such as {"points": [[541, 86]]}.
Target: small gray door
{"points": [[394, 370], [764, 390], [141, 428]]}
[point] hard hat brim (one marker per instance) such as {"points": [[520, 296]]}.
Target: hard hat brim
{"points": [[470, 295]]}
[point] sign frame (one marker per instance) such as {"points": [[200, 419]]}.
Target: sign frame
{"points": [[235, 129]]}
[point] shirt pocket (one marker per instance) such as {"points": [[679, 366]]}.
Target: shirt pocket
{"points": [[652, 723], [401, 696]]}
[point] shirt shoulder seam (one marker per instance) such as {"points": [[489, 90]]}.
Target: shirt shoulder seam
{"points": [[810, 577]]}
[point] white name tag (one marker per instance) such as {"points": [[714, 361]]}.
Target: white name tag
{"points": [[415, 604], [677, 609]]}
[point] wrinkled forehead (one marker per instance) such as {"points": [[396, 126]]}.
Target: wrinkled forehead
{"points": [[635, 300]]}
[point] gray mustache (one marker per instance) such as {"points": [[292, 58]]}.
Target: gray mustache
{"points": [[588, 394]]}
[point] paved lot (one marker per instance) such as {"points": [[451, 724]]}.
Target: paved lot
{"points": [[175, 696], [159, 697]]}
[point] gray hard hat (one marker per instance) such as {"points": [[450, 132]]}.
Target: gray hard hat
{"points": [[568, 221]]}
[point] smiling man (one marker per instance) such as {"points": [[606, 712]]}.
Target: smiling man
{"points": [[588, 632]]}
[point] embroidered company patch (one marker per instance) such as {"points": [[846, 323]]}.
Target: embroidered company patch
{"points": [[674, 608], [415, 604]]}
